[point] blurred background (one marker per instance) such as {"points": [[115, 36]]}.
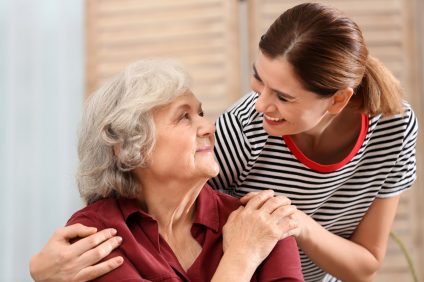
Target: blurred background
{"points": [[54, 53]]}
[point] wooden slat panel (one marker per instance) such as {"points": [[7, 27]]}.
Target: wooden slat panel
{"points": [[385, 25], [203, 35]]}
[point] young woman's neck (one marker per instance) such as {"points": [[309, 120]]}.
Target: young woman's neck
{"points": [[332, 139]]}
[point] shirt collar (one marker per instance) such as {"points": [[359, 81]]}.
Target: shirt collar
{"points": [[206, 209], [130, 207]]}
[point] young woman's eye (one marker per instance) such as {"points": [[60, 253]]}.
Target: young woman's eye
{"points": [[282, 98], [201, 113], [257, 78]]}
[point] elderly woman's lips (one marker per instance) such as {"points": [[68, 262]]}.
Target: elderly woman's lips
{"points": [[204, 149]]}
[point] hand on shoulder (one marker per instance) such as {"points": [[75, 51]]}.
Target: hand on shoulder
{"points": [[61, 260], [254, 229]]}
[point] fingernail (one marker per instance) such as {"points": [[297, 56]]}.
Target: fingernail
{"points": [[112, 231], [119, 239]]}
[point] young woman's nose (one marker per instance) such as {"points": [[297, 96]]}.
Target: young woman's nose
{"points": [[264, 102]]}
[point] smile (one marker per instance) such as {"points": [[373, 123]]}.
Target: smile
{"points": [[273, 119]]}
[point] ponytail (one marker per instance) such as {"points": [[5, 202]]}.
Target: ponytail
{"points": [[379, 91]]}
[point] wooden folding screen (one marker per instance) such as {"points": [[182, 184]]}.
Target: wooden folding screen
{"points": [[203, 35], [388, 32]]}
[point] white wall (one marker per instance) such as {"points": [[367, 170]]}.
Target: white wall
{"points": [[41, 90]]}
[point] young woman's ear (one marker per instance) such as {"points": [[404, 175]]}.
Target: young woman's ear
{"points": [[340, 100]]}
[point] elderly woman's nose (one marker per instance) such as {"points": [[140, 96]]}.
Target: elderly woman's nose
{"points": [[206, 127]]}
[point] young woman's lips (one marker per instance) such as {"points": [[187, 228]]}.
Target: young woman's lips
{"points": [[273, 121]]}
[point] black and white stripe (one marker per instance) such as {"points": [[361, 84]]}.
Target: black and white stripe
{"points": [[250, 160]]}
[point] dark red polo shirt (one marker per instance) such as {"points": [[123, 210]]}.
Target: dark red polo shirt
{"points": [[147, 256]]}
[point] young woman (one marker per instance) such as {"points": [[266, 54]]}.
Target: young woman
{"points": [[327, 127]]}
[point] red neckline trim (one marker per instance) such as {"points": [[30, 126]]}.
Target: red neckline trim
{"points": [[331, 167]]}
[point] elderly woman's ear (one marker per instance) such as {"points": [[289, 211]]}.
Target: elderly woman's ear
{"points": [[110, 136], [116, 149]]}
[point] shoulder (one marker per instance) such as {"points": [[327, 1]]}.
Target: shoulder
{"points": [[282, 263], [409, 119], [402, 126], [241, 123], [403, 120], [96, 214], [244, 103], [243, 111]]}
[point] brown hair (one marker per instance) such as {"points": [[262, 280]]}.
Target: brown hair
{"points": [[328, 53]]}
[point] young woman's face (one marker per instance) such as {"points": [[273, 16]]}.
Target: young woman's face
{"points": [[184, 141], [287, 107]]}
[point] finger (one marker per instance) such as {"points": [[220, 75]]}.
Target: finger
{"points": [[75, 230], [292, 230], [100, 269], [101, 251], [234, 213], [283, 212], [247, 197], [287, 225], [87, 243], [272, 203], [257, 201]]}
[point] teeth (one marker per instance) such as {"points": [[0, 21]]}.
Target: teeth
{"points": [[273, 119]]}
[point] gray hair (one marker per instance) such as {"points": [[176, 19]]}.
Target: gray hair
{"points": [[119, 115]]}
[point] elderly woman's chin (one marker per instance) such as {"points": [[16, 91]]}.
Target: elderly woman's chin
{"points": [[206, 163]]}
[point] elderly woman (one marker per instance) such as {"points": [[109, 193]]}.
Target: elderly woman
{"points": [[146, 153]]}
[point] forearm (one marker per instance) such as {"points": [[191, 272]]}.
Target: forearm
{"points": [[340, 257]]}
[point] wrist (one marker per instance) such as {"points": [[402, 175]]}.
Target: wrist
{"points": [[35, 269], [305, 225]]}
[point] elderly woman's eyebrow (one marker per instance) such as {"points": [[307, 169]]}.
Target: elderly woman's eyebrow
{"points": [[188, 106]]}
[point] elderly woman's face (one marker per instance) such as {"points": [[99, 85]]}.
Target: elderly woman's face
{"points": [[184, 141]]}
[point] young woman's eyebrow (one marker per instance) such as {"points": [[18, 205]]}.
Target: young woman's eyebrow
{"points": [[255, 73], [278, 92]]}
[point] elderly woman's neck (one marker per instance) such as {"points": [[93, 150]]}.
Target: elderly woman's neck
{"points": [[171, 204]]}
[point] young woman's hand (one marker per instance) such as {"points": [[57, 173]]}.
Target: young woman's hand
{"points": [[61, 260], [290, 221]]}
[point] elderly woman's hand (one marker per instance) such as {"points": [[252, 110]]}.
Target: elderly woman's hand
{"points": [[253, 230], [61, 260]]}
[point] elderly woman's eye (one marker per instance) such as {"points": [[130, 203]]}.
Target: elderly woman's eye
{"points": [[185, 116]]}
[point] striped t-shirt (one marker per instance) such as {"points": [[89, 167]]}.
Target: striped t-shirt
{"points": [[381, 164]]}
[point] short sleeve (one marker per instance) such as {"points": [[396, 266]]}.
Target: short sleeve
{"points": [[282, 264], [124, 273], [403, 173]]}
